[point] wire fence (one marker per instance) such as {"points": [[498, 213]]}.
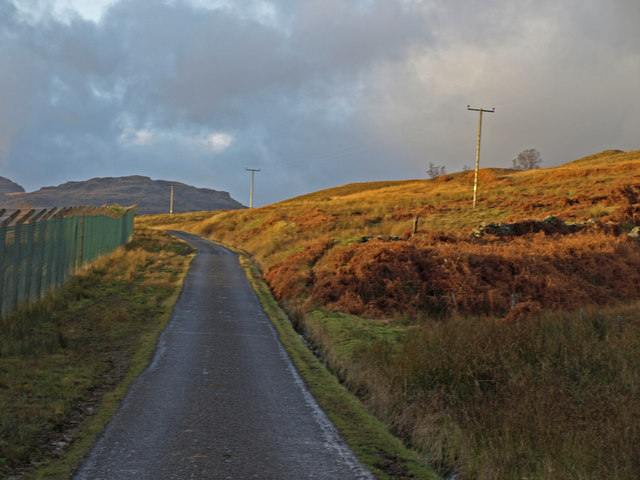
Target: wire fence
{"points": [[40, 251]]}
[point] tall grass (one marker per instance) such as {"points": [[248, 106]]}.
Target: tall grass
{"points": [[552, 396]]}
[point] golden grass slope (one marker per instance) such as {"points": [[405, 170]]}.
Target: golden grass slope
{"points": [[451, 272], [597, 186]]}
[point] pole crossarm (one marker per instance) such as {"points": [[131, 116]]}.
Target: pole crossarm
{"points": [[481, 109], [475, 179]]}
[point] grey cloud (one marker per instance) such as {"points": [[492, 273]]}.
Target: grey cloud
{"points": [[317, 93], [336, 35]]}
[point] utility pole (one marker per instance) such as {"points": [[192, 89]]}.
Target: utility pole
{"points": [[171, 203], [253, 171], [475, 180]]}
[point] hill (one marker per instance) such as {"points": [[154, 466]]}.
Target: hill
{"points": [[603, 187], [8, 186], [151, 196], [313, 247], [502, 342]]}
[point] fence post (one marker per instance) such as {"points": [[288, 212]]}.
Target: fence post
{"points": [[18, 269], [30, 261], [81, 241], [514, 300]]}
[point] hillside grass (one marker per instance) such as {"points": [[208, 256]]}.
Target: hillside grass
{"points": [[496, 357], [66, 361], [602, 185], [554, 396]]}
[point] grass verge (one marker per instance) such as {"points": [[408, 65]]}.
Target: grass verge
{"points": [[66, 362], [370, 440]]}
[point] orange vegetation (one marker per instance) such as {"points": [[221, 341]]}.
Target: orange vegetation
{"points": [[438, 274]]}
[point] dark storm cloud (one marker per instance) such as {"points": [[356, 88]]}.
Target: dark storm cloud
{"points": [[316, 93]]}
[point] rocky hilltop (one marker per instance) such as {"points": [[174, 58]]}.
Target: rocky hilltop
{"points": [[151, 196], [8, 186]]}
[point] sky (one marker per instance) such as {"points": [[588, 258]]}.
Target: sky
{"points": [[314, 93]]}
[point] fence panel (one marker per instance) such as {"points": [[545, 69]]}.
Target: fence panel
{"points": [[38, 257]]}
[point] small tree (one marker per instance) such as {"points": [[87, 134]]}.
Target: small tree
{"points": [[527, 160], [434, 171]]}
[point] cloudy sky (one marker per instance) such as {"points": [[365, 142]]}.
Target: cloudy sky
{"points": [[315, 93]]}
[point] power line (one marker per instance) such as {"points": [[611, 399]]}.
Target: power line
{"points": [[253, 171], [475, 179]]}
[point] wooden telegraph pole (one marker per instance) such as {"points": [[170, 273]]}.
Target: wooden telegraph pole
{"points": [[253, 171], [171, 202], [475, 180]]}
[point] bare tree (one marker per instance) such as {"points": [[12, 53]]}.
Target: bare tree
{"points": [[527, 160], [434, 171]]}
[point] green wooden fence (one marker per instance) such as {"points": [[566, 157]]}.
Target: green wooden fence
{"points": [[39, 256]]}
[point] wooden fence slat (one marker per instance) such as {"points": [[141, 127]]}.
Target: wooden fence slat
{"points": [[50, 213], [25, 217], [62, 213], [38, 215], [10, 218]]}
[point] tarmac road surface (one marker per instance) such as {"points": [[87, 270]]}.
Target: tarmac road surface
{"points": [[221, 399]]}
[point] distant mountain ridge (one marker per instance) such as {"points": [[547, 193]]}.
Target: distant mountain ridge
{"points": [[151, 196]]}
